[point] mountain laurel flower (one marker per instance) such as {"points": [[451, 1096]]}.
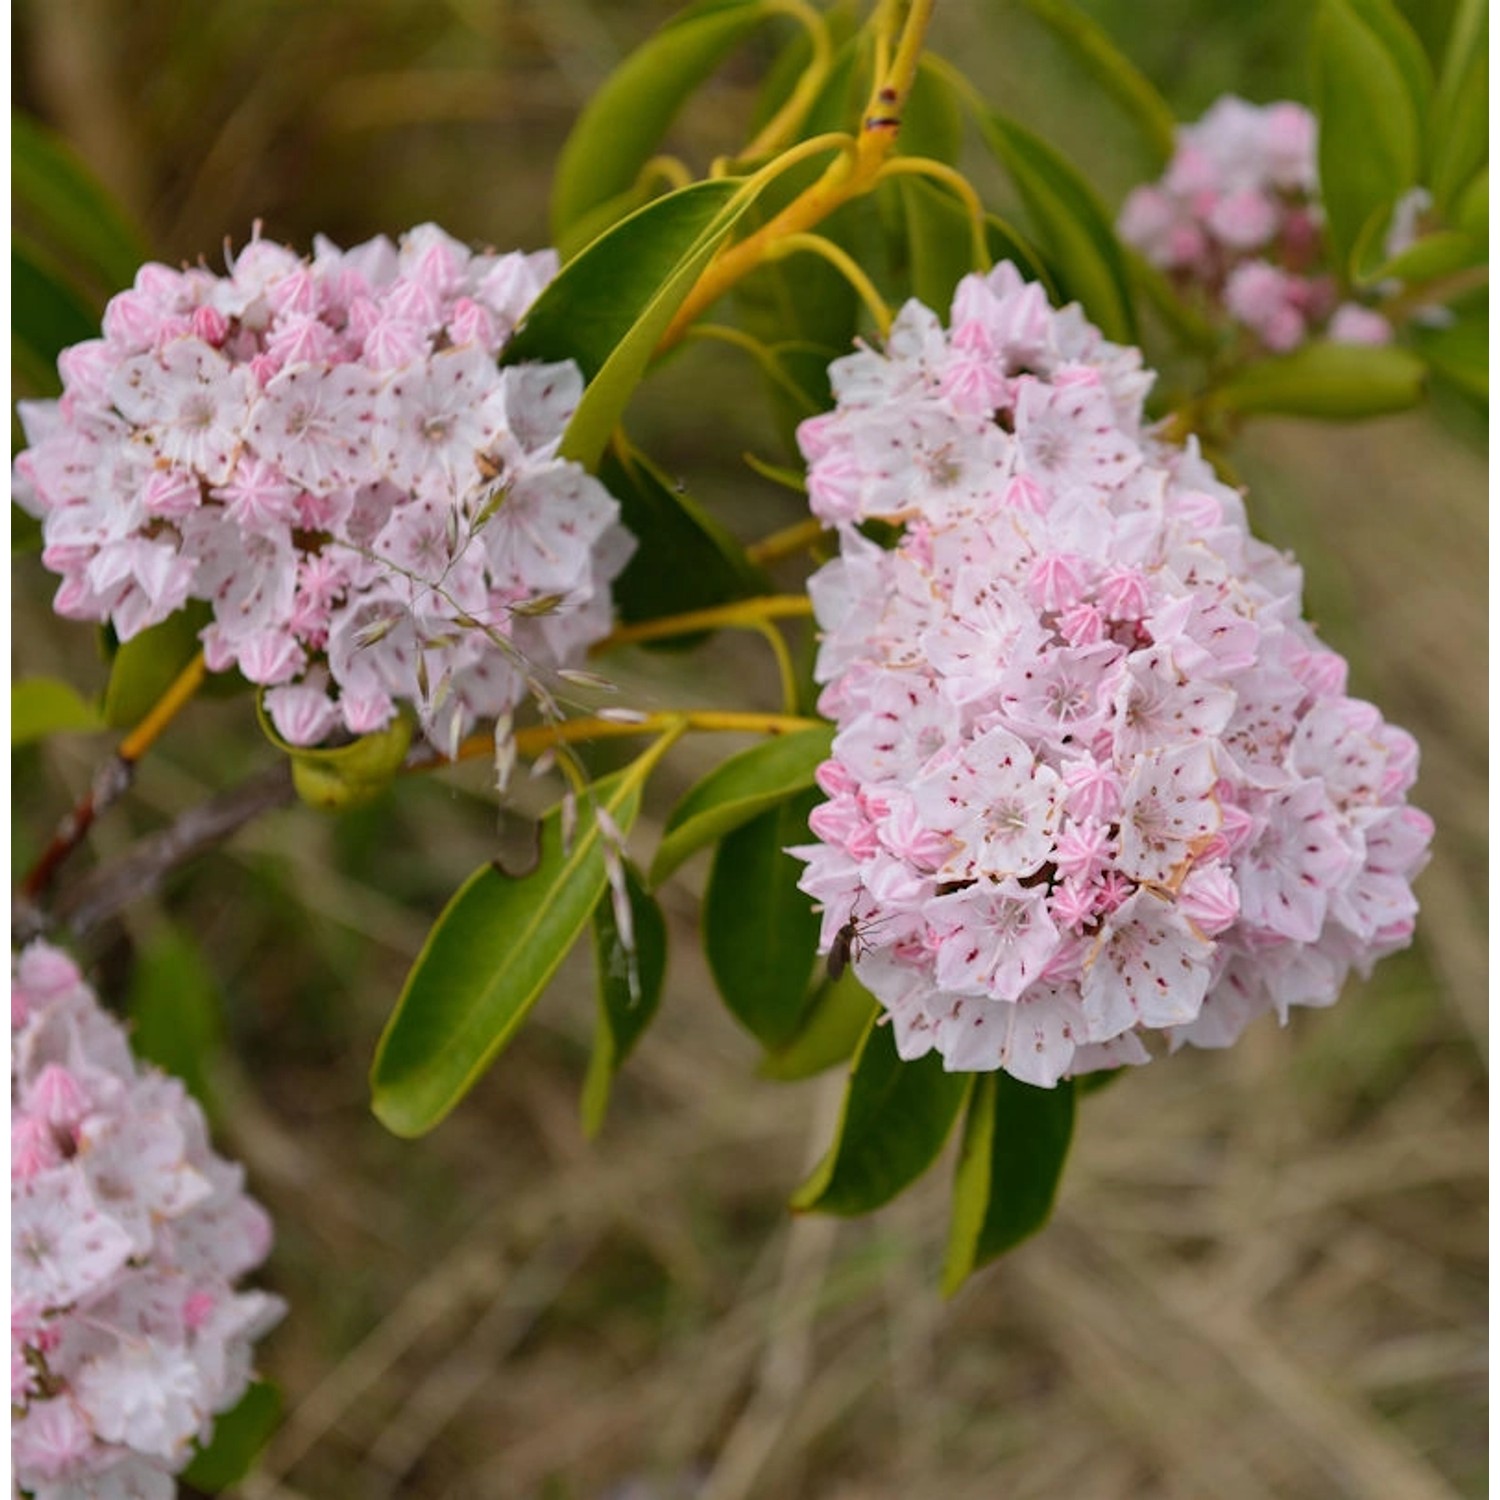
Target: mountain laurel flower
{"points": [[1236, 220], [1095, 782], [303, 437], [128, 1236]]}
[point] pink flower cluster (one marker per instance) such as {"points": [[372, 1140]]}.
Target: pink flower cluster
{"points": [[1236, 217], [1094, 777], [325, 452], [127, 1236]]}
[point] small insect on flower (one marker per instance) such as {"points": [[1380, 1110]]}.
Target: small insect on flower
{"points": [[849, 942]]}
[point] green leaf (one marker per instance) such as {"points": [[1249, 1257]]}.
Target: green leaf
{"points": [[43, 706], [1458, 130], [759, 931], [836, 1018], [344, 776], [1369, 136], [1090, 44], [609, 306], [175, 1008], [47, 315], [487, 960], [629, 990], [1473, 212], [618, 131], [56, 200], [238, 1437], [895, 1118], [1461, 352], [939, 241], [1337, 381], [146, 665], [741, 788], [1015, 1142], [1433, 255], [932, 121], [684, 559], [1071, 226]]}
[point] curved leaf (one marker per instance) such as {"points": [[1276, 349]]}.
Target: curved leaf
{"points": [[47, 315], [759, 931], [1327, 380], [1461, 352], [58, 201], [629, 113], [1090, 44], [43, 706], [1016, 1140], [146, 665], [238, 1437], [486, 962], [1070, 224], [608, 307], [684, 559], [895, 1118], [630, 977], [741, 788], [1369, 129], [1437, 254], [344, 776], [1458, 127], [175, 1008], [837, 1017]]}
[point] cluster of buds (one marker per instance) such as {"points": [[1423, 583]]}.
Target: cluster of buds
{"points": [[1236, 219], [128, 1234], [1095, 780], [324, 451]]}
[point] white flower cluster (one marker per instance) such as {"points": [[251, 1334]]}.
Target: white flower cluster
{"points": [[1094, 778], [325, 452], [127, 1237]]}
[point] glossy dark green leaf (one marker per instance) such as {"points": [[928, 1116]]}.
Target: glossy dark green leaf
{"points": [[608, 307], [56, 200], [1327, 380], [1092, 47], [146, 665], [486, 962], [759, 931], [1473, 212], [619, 130], [47, 315], [741, 788], [836, 1017], [43, 706], [684, 559], [1070, 224], [1369, 135], [175, 1009], [630, 977], [895, 1118], [1015, 1143], [238, 1438]]}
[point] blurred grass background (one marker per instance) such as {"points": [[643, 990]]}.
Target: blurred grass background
{"points": [[1266, 1276]]}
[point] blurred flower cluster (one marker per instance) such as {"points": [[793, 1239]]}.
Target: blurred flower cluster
{"points": [[1095, 779], [128, 1234], [325, 451], [1236, 218]]}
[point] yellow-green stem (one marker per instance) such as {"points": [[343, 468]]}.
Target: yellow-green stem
{"points": [[844, 264], [742, 614]]}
